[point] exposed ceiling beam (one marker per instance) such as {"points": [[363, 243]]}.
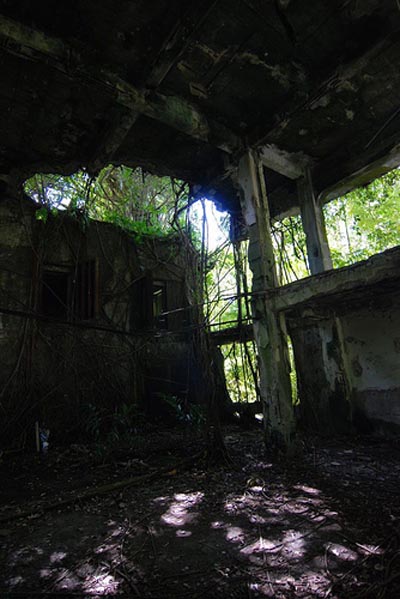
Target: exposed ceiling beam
{"points": [[172, 110], [178, 40], [289, 165], [122, 120], [348, 77], [111, 138], [344, 282], [363, 176]]}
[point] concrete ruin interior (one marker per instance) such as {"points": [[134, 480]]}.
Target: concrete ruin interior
{"points": [[97, 333], [268, 108]]}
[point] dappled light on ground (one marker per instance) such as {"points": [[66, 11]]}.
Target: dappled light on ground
{"points": [[181, 510], [257, 530]]}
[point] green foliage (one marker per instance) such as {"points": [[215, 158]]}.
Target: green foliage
{"points": [[56, 191], [112, 428], [365, 221], [293, 373], [191, 414], [220, 285], [239, 378], [360, 224], [42, 214], [290, 249], [140, 203]]}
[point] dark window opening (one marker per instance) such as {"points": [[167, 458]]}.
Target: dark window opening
{"points": [[160, 305], [85, 297], [71, 293], [55, 293]]}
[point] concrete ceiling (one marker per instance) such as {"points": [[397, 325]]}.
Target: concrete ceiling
{"points": [[182, 88]]}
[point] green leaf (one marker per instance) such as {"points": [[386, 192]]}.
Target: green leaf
{"points": [[42, 214]]}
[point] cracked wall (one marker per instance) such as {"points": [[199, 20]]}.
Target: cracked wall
{"points": [[62, 367], [348, 366]]}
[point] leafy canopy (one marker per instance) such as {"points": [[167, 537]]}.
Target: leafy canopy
{"points": [[130, 198], [359, 224], [365, 221]]}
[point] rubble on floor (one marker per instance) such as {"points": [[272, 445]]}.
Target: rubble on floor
{"points": [[324, 523]]}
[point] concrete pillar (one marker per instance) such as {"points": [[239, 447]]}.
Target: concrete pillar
{"points": [[323, 366], [319, 257], [269, 328], [322, 371]]}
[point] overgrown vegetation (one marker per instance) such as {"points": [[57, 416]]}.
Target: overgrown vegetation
{"points": [[359, 224], [129, 198], [290, 249], [227, 289], [240, 361], [365, 221]]}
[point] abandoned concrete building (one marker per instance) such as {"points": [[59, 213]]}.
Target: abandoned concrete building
{"points": [[268, 108], [97, 319], [271, 111]]}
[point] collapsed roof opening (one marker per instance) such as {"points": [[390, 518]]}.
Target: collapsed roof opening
{"points": [[131, 198]]}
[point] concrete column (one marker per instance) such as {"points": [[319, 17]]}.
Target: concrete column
{"points": [[319, 257], [323, 369], [269, 328]]}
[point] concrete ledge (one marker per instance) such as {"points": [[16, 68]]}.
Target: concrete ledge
{"points": [[370, 275]]}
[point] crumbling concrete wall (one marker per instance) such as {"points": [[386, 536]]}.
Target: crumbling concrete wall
{"points": [[344, 327], [372, 344], [321, 374], [64, 370], [348, 365]]}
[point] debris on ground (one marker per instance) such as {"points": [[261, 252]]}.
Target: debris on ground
{"points": [[325, 524]]}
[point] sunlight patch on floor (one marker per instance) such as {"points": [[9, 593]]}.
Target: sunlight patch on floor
{"points": [[179, 512]]}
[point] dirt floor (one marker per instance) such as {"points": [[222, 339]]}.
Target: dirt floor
{"points": [[325, 523]]}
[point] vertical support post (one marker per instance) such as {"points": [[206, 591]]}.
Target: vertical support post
{"points": [[332, 398], [269, 328], [319, 257]]}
